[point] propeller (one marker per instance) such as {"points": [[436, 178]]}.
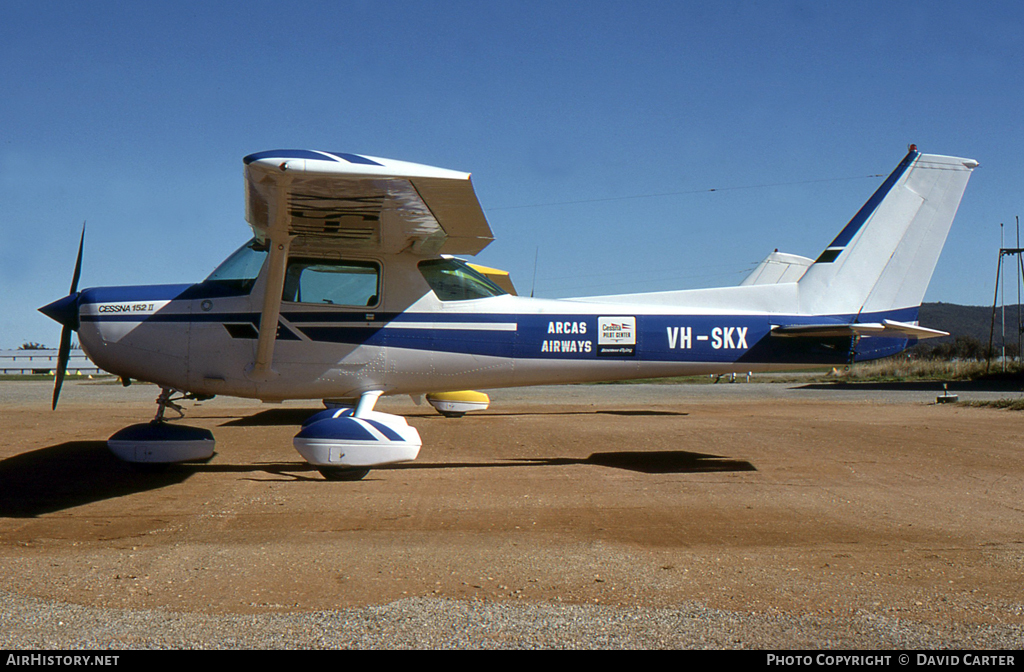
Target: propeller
{"points": [[65, 311]]}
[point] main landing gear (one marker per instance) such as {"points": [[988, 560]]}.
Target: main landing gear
{"points": [[457, 404], [342, 444]]}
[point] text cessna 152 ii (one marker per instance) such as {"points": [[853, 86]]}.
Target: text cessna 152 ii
{"points": [[349, 290]]}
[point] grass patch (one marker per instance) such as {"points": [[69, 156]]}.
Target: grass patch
{"points": [[27, 376], [903, 369], [68, 378], [673, 380], [891, 370], [704, 379], [1007, 404]]}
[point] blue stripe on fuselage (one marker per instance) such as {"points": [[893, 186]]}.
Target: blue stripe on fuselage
{"points": [[664, 338]]}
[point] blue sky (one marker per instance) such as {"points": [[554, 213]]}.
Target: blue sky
{"points": [[571, 116]]}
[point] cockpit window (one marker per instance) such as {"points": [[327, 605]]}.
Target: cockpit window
{"points": [[241, 269], [454, 280], [332, 282]]}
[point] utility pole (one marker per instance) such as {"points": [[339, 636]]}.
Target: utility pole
{"points": [[1000, 291], [1020, 269]]}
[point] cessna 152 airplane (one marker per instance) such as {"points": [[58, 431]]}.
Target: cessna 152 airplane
{"points": [[349, 289]]}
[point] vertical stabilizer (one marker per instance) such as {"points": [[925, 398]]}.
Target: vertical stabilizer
{"points": [[883, 259]]}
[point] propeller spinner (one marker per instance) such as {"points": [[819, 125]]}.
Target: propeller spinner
{"points": [[65, 311]]}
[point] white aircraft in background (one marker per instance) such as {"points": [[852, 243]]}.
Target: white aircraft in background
{"points": [[349, 290]]}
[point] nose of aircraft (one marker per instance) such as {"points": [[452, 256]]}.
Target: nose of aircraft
{"points": [[64, 311]]}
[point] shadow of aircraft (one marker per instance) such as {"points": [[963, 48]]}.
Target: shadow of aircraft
{"points": [[274, 417], [76, 473], [72, 474], [668, 462], [277, 417], [647, 462], [631, 412]]}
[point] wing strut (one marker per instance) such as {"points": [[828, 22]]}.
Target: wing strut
{"points": [[280, 241]]}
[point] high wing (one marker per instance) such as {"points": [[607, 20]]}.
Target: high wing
{"points": [[296, 198], [362, 202]]}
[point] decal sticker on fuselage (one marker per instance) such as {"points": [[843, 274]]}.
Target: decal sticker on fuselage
{"points": [[131, 307], [616, 336]]}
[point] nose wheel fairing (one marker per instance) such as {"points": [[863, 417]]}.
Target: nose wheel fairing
{"points": [[162, 443]]}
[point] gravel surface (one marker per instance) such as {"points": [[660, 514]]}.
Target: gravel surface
{"points": [[425, 623]]}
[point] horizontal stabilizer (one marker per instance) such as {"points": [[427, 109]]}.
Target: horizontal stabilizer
{"points": [[778, 267], [889, 328]]}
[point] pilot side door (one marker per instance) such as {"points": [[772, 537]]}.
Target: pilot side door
{"points": [[329, 332]]}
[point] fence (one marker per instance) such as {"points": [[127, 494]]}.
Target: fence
{"points": [[14, 362]]}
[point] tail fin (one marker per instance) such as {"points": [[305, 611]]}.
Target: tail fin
{"points": [[884, 258]]}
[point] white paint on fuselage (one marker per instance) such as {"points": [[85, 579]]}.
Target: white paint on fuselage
{"points": [[200, 355]]}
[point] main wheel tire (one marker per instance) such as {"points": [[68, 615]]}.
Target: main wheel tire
{"points": [[343, 473]]}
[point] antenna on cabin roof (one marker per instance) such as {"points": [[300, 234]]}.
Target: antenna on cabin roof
{"points": [[534, 285]]}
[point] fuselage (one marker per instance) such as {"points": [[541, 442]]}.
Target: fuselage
{"points": [[403, 338]]}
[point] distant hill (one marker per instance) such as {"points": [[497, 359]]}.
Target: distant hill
{"points": [[970, 321]]}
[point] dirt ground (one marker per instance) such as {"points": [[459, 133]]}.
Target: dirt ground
{"points": [[773, 499]]}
